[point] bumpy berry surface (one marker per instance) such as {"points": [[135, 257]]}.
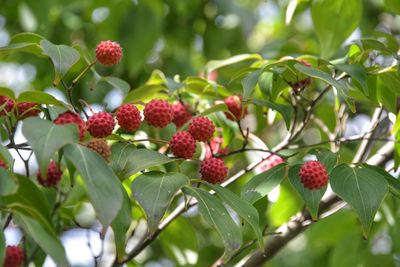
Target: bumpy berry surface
{"points": [[100, 124], [101, 147], [216, 147], [313, 175], [3, 164], [201, 128], [70, 117], [108, 53], [128, 117], [181, 114], [158, 113], [14, 256], [54, 174], [27, 109], [183, 145], [234, 104], [270, 162], [213, 170], [6, 105]]}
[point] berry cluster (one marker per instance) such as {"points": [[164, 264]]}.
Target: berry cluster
{"points": [[14, 256], [21, 110], [313, 175]]}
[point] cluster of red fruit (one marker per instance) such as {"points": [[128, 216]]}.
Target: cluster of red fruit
{"points": [[14, 256], [21, 110]]}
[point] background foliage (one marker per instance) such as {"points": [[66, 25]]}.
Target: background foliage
{"points": [[181, 38]]}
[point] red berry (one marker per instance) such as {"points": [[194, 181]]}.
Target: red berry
{"points": [[100, 124], [270, 162], [27, 109], [158, 113], [183, 145], [313, 175], [108, 53], [6, 105], [234, 104], [54, 174], [14, 256], [3, 164], [181, 114], [101, 147], [216, 146], [213, 170], [201, 128], [70, 117], [128, 117]]}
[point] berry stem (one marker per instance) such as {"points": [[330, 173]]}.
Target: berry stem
{"points": [[76, 80]]}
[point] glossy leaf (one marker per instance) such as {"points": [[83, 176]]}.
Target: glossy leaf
{"points": [[216, 64], [285, 110], [62, 56], [144, 93], [154, 191], [260, 185], [213, 109], [358, 73], [121, 225], [249, 83], [117, 83], [334, 21], [8, 185], [5, 91], [127, 160], [214, 213], [46, 138], [47, 240], [364, 189], [315, 73], [103, 186], [243, 208], [40, 97], [394, 183], [311, 198]]}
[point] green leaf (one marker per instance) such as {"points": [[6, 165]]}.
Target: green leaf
{"points": [[144, 93], [2, 245], [46, 138], [394, 184], [214, 212], [216, 108], [334, 21], [249, 83], [243, 208], [103, 186], [357, 73], [8, 185], [6, 157], [391, 81], [392, 5], [5, 91], [47, 240], [26, 37], [121, 225], [117, 83], [260, 185], [126, 160], [40, 97], [216, 64], [154, 191], [62, 56], [311, 198], [326, 157], [31, 48], [172, 85], [285, 110], [315, 73], [364, 189]]}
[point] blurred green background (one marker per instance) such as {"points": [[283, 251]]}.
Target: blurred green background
{"points": [[179, 37]]}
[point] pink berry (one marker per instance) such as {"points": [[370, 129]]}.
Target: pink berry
{"points": [[108, 53], [100, 124], [201, 128], [183, 145], [70, 117], [128, 117], [213, 170], [158, 113], [53, 175], [181, 114], [313, 175]]}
